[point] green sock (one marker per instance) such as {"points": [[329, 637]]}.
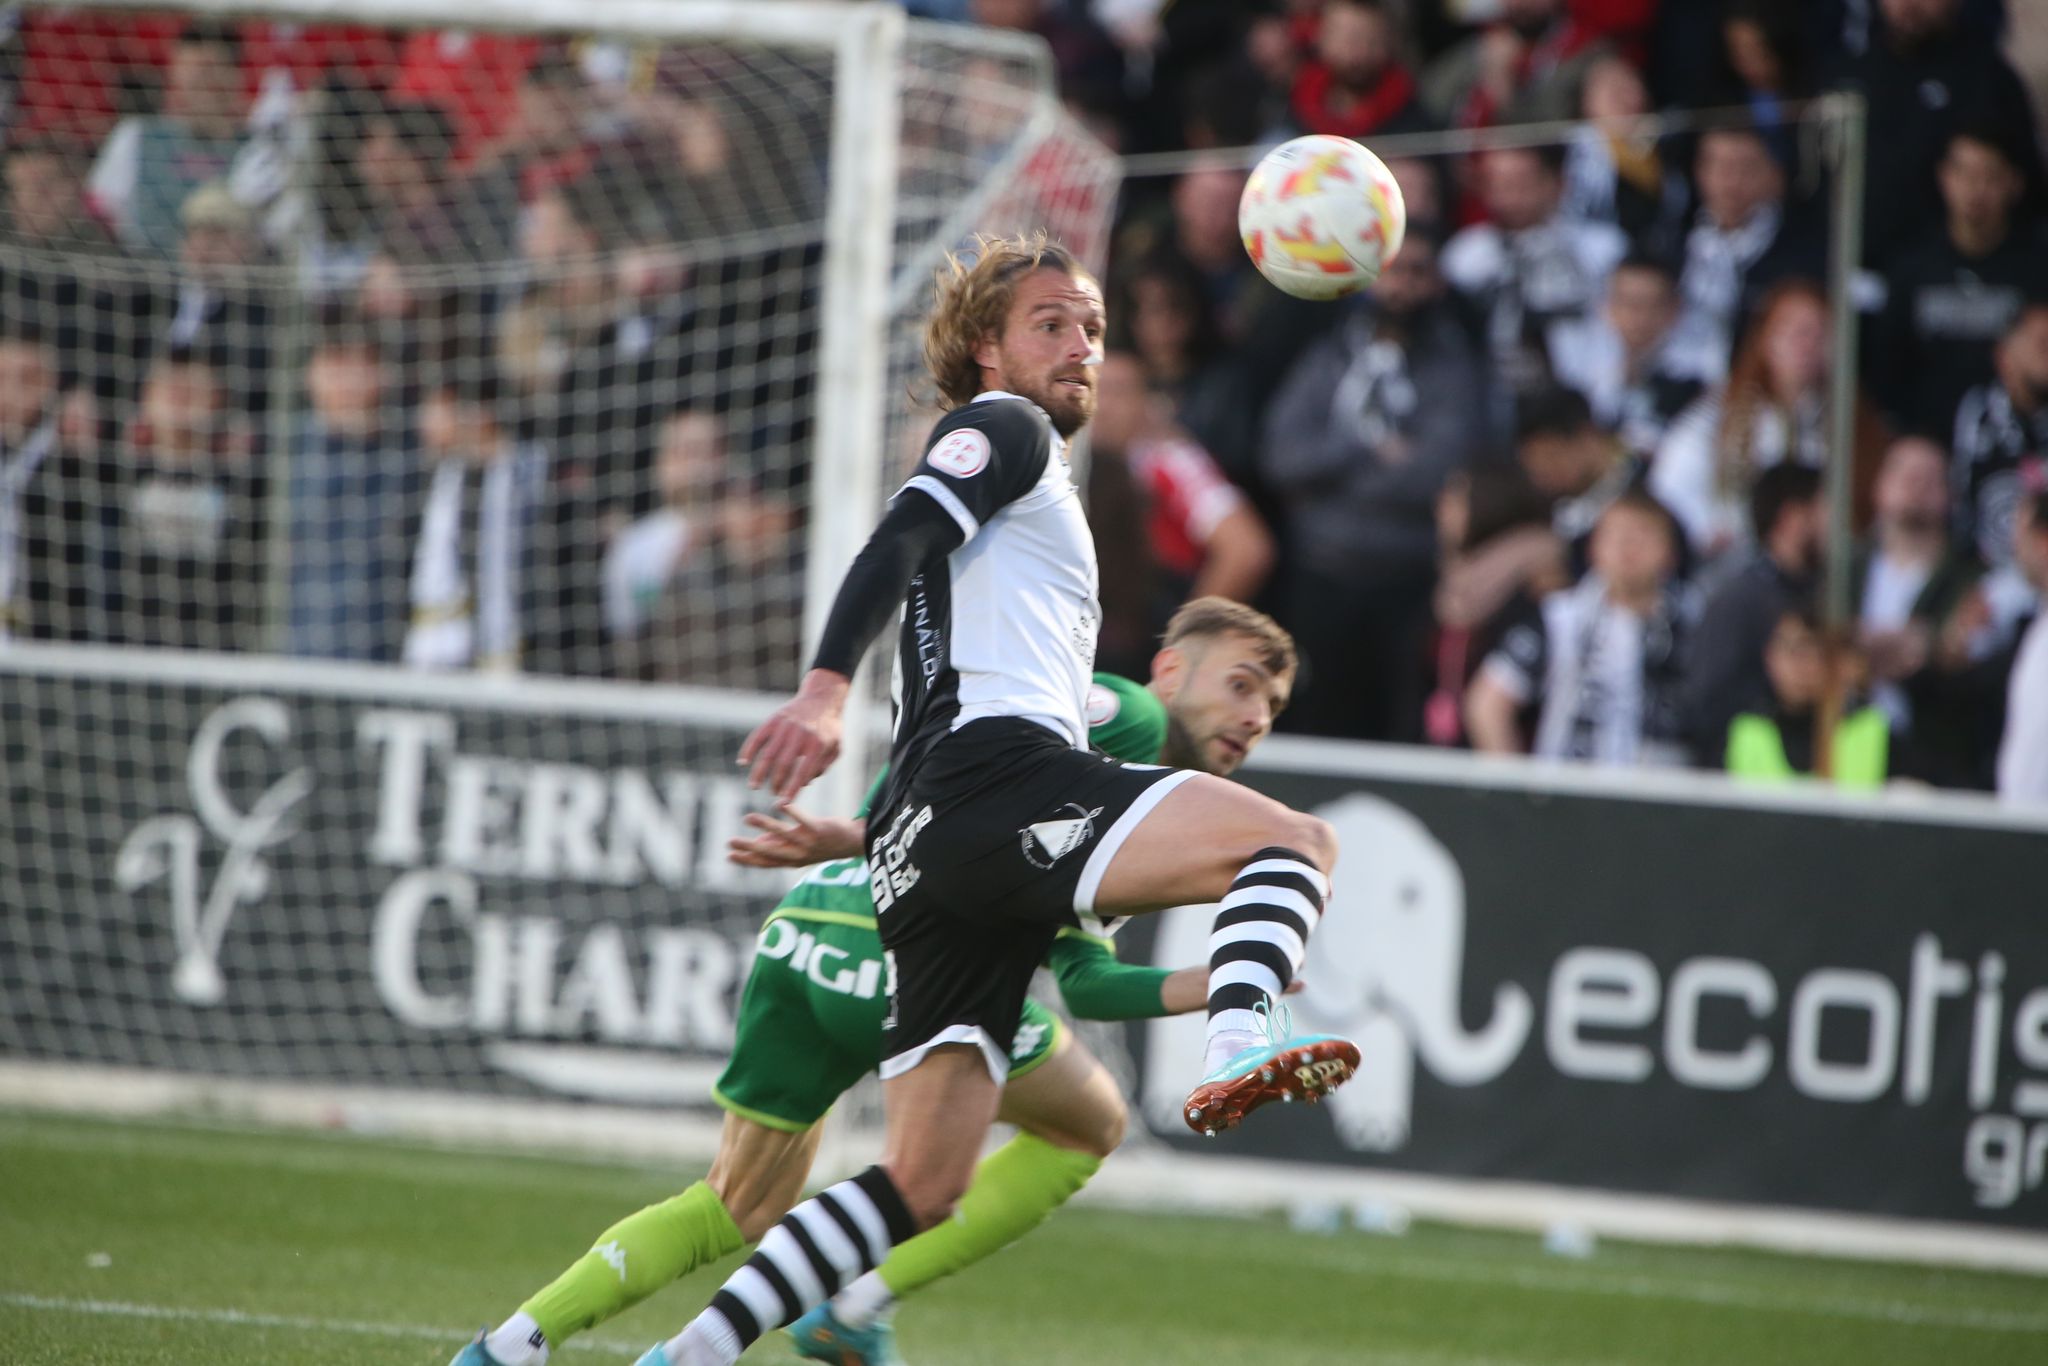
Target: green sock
{"points": [[1014, 1188], [634, 1258]]}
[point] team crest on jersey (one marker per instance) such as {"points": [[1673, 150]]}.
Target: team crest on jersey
{"points": [[1047, 842], [1103, 705], [961, 454]]}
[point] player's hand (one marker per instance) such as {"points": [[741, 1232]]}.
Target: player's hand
{"points": [[800, 740], [797, 842]]}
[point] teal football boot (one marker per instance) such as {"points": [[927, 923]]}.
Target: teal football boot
{"points": [[820, 1336], [1284, 1067]]}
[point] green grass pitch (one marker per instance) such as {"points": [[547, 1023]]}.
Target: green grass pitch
{"points": [[140, 1244]]}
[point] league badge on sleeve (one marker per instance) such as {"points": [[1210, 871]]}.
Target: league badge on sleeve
{"points": [[1103, 705], [961, 454]]}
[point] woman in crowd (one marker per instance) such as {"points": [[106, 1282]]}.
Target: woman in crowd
{"points": [[1772, 408]]}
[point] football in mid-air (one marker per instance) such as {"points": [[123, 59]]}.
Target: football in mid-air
{"points": [[1320, 216]]}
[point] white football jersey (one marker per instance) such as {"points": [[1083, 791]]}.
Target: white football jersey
{"points": [[1006, 625]]}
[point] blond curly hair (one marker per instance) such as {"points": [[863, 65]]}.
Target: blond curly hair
{"points": [[974, 290]]}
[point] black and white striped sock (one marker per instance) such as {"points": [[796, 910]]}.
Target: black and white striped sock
{"points": [[1261, 935], [821, 1246]]}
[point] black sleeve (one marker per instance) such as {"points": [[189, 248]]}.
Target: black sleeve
{"points": [[980, 458], [912, 533]]}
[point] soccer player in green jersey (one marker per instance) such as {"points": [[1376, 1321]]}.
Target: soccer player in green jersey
{"points": [[810, 1024]]}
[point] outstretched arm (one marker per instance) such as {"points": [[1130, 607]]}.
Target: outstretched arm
{"points": [[801, 739], [1096, 985]]}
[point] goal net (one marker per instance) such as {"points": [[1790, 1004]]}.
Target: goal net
{"points": [[379, 398]]}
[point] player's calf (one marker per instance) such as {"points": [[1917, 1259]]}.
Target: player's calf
{"points": [[1256, 949], [1259, 941], [759, 1172], [938, 1110], [825, 1243]]}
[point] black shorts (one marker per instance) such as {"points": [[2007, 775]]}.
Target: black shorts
{"points": [[999, 838]]}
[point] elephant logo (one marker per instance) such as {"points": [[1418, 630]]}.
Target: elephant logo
{"points": [[1384, 970]]}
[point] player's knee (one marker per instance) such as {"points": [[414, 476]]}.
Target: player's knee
{"points": [[1109, 1133], [929, 1196], [755, 1221], [1314, 838], [753, 1212], [1098, 1132]]}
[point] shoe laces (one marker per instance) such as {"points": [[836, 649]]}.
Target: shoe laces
{"points": [[1274, 1019]]}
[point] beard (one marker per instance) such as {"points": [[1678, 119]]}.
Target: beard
{"points": [[1184, 749], [1068, 407], [1180, 749]]}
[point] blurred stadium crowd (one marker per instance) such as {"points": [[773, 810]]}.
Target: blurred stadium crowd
{"points": [[505, 340]]}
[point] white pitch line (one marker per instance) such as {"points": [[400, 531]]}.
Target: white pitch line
{"points": [[1525, 1278], [1383, 1357], [244, 1319], [1719, 1296]]}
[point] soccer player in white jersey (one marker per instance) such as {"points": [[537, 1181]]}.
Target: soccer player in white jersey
{"points": [[997, 826]]}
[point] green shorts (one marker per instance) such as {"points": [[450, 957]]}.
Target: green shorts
{"points": [[810, 1018]]}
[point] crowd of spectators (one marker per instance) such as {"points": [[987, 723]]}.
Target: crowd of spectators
{"points": [[447, 349], [1554, 484], [454, 349]]}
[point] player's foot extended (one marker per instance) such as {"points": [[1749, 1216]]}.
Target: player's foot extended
{"points": [[820, 1336], [474, 1355], [656, 1356], [1284, 1067]]}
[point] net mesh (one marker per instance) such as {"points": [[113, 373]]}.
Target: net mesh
{"points": [[413, 352], [456, 349]]}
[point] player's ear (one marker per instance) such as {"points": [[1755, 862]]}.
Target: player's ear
{"points": [[1169, 670], [985, 351]]}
